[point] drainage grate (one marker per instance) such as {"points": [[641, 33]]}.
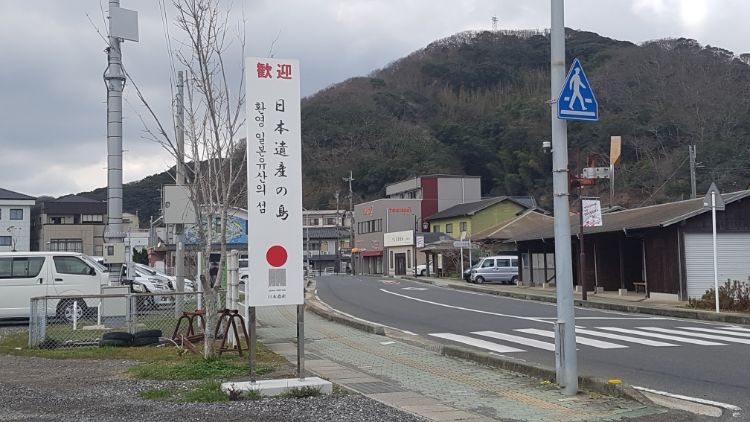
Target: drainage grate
{"points": [[374, 387]]}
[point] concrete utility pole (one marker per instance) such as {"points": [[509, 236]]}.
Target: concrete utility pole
{"points": [[351, 220], [566, 361], [179, 267], [691, 151], [114, 79]]}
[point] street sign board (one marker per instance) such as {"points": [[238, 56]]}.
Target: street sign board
{"points": [[592, 213], [577, 100], [462, 244], [717, 202], [274, 182]]}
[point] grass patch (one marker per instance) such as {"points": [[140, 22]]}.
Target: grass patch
{"points": [[157, 394], [208, 391], [196, 368], [301, 392]]}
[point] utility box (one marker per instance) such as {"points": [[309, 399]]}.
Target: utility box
{"points": [[114, 253]]}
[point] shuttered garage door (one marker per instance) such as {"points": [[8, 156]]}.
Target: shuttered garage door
{"points": [[732, 251]]}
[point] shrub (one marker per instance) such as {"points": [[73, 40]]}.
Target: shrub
{"points": [[733, 296]]}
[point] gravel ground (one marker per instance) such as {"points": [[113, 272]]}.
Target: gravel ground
{"points": [[37, 389]]}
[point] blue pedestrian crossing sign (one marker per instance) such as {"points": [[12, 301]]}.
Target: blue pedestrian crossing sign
{"points": [[577, 100]]}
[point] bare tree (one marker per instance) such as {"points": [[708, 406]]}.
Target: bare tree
{"points": [[215, 163]]}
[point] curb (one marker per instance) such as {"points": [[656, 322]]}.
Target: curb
{"points": [[589, 384], [696, 314]]}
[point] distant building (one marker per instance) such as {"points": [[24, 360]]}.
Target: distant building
{"points": [[70, 223], [386, 230], [15, 221]]}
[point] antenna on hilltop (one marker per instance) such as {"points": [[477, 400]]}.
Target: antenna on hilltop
{"points": [[494, 23]]}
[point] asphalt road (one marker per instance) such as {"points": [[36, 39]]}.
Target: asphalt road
{"points": [[703, 360]]}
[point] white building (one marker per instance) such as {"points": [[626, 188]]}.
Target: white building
{"points": [[15, 221]]}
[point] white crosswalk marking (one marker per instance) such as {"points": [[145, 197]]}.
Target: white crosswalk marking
{"points": [[733, 328], [625, 338], [714, 331], [662, 336], [695, 334], [483, 344], [580, 340], [517, 339]]}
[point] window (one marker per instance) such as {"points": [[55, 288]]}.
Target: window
{"points": [[514, 262], [20, 267], [331, 221], [71, 265], [488, 263], [16, 214], [449, 228], [1, 213], [6, 241], [462, 226], [436, 228], [70, 245], [92, 218], [391, 258], [370, 226], [503, 262]]}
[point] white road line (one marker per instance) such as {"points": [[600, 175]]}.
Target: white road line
{"points": [[581, 340], [714, 331], [662, 336], [517, 339], [733, 328], [625, 338], [483, 344], [461, 308], [727, 406], [699, 335], [619, 318]]}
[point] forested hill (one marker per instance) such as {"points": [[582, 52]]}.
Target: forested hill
{"points": [[476, 104]]}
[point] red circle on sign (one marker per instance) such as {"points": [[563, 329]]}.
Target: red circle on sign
{"points": [[276, 256]]}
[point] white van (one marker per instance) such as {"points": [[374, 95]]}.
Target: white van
{"points": [[24, 275], [502, 268]]}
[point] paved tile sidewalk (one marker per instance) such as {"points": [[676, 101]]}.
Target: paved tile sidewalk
{"points": [[428, 384]]}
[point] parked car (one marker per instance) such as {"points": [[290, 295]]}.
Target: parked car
{"points": [[467, 272], [169, 279], [24, 275], [502, 268], [422, 270], [244, 270], [141, 281]]}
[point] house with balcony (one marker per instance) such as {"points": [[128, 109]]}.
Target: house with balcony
{"points": [[15, 221], [327, 239]]}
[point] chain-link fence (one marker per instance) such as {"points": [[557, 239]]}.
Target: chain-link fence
{"points": [[117, 319]]}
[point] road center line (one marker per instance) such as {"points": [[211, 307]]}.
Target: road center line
{"points": [[461, 308]]}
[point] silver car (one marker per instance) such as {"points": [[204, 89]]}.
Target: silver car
{"points": [[502, 268]]}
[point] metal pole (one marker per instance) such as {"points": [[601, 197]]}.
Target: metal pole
{"points": [[179, 267], [301, 342], [582, 253], [253, 339], [716, 261], [567, 364], [114, 79]]}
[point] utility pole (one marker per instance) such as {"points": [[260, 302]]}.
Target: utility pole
{"points": [[351, 220], [691, 151], [566, 361], [179, 268]]}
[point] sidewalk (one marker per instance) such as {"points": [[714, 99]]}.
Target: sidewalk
{"points": [[431, 384], [632, 302]]}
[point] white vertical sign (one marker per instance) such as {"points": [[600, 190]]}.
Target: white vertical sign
{"points": [[592, 213], [274, 182]]}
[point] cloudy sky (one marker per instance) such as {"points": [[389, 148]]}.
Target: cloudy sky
{"points": [[52, 97]]}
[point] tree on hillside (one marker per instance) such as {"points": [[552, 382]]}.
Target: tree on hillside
{"points": [[214, 150]]}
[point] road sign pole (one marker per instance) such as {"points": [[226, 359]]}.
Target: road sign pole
{"points": [[566, 361]]}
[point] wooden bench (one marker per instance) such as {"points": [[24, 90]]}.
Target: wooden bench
{"points": [[639, 285]]}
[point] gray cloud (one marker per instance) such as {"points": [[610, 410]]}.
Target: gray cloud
{"points": [[52, 102]]}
